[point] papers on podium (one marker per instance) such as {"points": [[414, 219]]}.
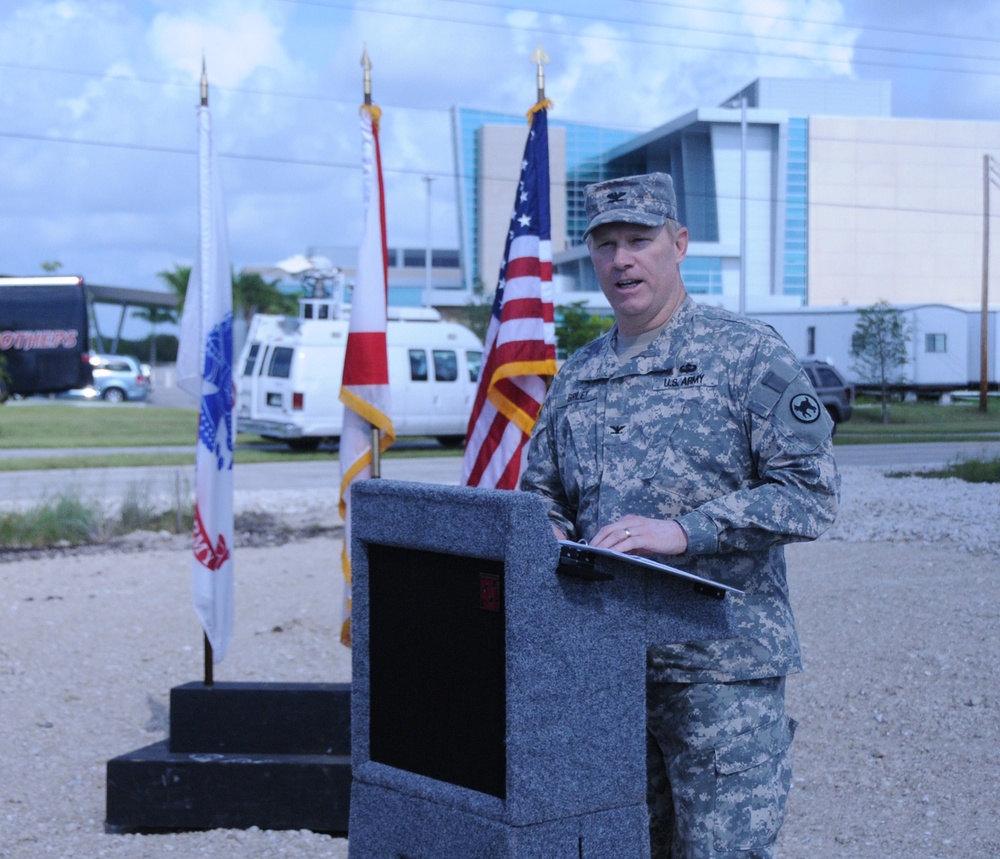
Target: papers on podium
{"points": [[578, 559]]}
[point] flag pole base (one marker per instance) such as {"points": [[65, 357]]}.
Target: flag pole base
{"points": [[270, 755]]}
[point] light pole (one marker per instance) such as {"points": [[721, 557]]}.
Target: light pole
{"points": [[991, 176], [743, 205], [427, 250], [741, 102]]}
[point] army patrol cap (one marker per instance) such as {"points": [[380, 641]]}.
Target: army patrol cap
{"points": [[647, 200]]}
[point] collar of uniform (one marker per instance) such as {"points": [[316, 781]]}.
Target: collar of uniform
{"points": [[598, 359]]}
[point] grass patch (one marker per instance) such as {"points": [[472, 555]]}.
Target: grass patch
{"points": [[919, 421], [58, 426], [67, 428], [137, 513], [970, 470], [63, 519], [69, 519]]}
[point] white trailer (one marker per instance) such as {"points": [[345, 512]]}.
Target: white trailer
{"points": [[944, 342], [289, 374]]}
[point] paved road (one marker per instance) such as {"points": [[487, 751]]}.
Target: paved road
{"points": [[28, 486], [918, 454]]}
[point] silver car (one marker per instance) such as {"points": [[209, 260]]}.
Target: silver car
{"points": [[117, 378]]}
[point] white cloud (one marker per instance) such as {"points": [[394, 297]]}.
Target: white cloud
{"points": [[235, 39], [130, 72]]}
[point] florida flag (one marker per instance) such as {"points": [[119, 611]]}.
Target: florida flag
{"points": [[365, 388], [205, 369], [520, 340]]}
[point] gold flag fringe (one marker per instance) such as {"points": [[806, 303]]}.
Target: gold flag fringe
{"points": [[544, 104], [374, 111]]}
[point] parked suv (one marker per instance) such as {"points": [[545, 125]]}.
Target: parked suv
{"points": [[116, 378], [836, 394]]}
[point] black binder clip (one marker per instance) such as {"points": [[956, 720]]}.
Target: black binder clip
{"points": [[576, 561]]}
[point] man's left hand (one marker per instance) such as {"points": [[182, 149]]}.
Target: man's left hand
{"points": [[637, 535]]}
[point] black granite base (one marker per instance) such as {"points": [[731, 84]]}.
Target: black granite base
{"points": [[271, 755]]}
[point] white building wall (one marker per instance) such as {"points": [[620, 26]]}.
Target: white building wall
{"points": [[762, 240], [726, 155], [895, 209], [762, 192]]}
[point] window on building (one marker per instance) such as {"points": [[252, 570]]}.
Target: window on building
{"points": [[935, 342], [811, 340], [702, 275], [414, 258], [418, 365], [445, 258]]}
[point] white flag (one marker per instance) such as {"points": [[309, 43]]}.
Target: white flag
{"points": [[205, 369]]}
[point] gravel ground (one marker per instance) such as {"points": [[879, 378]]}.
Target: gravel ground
{"points": [[896, 755]]}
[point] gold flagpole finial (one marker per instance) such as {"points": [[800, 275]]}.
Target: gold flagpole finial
{"points": [[204, 83], [366, 64], [540, 58]]}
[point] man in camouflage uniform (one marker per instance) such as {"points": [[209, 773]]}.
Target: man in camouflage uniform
{"points": [[691, 432]]}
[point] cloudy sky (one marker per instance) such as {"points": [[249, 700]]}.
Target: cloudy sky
{"points": [[98, 99]]}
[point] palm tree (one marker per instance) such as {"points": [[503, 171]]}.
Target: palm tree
{"points": [[154, 316], [252, 294], [177, 280]]}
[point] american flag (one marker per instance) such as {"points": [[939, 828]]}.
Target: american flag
{"points": [[520, 340], [365, 387]]}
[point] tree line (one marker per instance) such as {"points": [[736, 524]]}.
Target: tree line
{"points": [[252, 294]]}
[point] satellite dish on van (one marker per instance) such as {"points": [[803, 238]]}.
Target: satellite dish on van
{"points": [[299, 264]]}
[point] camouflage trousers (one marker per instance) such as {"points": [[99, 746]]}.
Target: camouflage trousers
{"points": [[718, 768]]}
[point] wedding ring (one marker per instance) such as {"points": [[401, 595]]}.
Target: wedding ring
{"points": [[628, 534]]}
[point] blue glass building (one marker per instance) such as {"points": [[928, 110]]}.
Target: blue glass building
{"points": [[704, 151]]}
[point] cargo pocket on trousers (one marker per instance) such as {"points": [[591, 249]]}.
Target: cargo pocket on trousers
{"points": [[753, 774]]}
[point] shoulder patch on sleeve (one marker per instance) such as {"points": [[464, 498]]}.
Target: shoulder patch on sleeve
{"points": [[775, 382], [805, 408], [801, 414], [765, 395]]}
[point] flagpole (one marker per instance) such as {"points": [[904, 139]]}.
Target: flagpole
{"points": [[364, 389], [204, 370], [366, 64], [519, 355], [209, 675], [540, 58], [209, 656]]}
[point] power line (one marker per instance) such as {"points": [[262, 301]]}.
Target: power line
{"points": [[972, 146], [668, 43], [934, 34], [240, 156], [557, 32], [236, 156]]}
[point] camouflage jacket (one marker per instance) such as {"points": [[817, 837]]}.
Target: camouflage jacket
{"points": [[715, 425]]}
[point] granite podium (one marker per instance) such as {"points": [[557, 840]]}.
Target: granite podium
{"points": [[498, 703]]}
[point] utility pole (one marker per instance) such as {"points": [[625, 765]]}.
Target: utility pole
{"points": [[427, 250], [991, 176], [740, 101], [743, 205]]}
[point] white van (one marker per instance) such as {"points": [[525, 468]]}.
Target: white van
{"points": [[289, 374]]}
